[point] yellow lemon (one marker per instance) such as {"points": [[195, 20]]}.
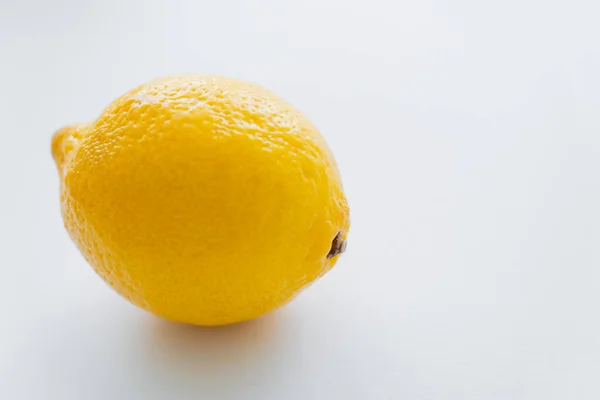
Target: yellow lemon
{"points": [[202, 199]]}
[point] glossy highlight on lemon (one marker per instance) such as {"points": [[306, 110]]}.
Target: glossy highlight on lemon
{"points": [[202, 199]]}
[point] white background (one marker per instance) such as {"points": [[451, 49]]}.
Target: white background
{"points": [[467, 133]]}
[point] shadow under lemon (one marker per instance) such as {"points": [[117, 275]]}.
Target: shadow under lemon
{"points": [[116, 351], [218, 355]]}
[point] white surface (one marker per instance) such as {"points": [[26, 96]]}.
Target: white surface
{"points": [[467, 133]]}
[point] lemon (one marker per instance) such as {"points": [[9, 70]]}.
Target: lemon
{"points": [[202, 199]]}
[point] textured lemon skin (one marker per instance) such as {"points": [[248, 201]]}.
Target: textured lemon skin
{"points": [[201, 199]]}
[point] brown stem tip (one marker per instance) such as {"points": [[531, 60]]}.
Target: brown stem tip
{"points": [[338, 246]]}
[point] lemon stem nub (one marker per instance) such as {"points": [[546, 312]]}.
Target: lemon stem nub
{"points": [[338, 246]]}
